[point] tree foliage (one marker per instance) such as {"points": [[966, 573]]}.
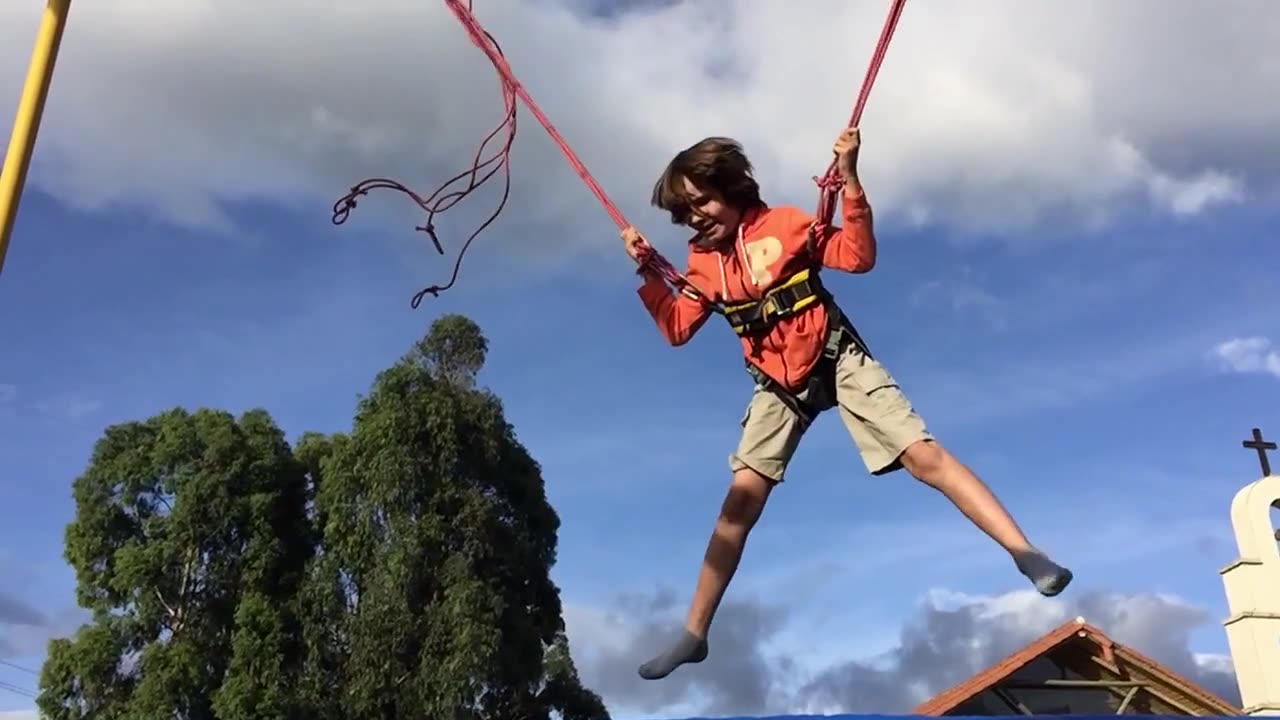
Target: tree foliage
{"points": [[401, 570], [189, 543], [453, 352]]}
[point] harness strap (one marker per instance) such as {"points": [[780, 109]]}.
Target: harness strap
{"points": [[752, 318], [688, 290], [819, 387]]}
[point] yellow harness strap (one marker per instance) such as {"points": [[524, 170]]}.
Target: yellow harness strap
{"points": [[798, 292]]}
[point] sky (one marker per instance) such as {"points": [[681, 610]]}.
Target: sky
{"points": [[1076, 216]]}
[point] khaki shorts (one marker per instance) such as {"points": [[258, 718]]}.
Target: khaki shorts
{"points": [[876, 413]]}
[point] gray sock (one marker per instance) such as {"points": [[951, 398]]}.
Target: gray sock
{"points": [[688, 649], [1049, 577]]}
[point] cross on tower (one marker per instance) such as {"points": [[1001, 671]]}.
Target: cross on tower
{"points": [[1262, 446]]}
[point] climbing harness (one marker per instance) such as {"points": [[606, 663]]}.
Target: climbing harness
{"points": [[648, 259], [797, 292], [803, 289], [818, 392]]}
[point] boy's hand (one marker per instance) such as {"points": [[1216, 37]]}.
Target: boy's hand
{"points": [[846, 150], [633, 242]]}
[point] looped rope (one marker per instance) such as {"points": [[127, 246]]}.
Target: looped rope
{"points": [[649, 260], [446, 196]]}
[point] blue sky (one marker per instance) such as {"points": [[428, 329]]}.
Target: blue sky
{"points": [[1100, 418], [1069, 359]]}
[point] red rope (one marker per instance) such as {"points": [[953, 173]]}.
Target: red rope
{"points": [[829, 184], [483, 40], [485, 167], [649, 259]]}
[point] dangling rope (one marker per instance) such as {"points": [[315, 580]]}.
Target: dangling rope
{"points": [[649, 259], [440, 200]]}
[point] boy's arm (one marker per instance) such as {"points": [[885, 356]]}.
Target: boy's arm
{"points": [[852, 246], [678, 317]]}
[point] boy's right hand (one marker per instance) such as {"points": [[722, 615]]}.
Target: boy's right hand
{"points": [[633, 242]]}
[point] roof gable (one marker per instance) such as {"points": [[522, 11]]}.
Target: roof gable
{"points": [[1076, 669]]}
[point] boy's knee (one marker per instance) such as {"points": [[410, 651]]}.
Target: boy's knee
{"points": [[746, 497], [925, 460]]}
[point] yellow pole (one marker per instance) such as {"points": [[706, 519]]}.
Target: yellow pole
{"points": [[30, 108]]}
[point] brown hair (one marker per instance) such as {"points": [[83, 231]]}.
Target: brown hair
{"points": [[715, 162]]}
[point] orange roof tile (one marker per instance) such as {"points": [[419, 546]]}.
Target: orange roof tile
{"points": [[1002, 670]]}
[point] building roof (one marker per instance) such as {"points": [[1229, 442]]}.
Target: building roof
{"points": [[1077, 669], [1073, 669]]}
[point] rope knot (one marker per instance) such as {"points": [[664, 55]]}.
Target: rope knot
{"points": [[433, 291], [828, 182], [430, 230], [342, 209]]}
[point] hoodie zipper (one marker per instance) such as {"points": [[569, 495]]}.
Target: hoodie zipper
{"points": [[740, 254]]}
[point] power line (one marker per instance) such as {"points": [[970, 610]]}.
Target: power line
{"points": [[17, 690], [19, 668]]}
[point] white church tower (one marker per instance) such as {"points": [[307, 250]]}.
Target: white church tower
{"points": [[1253, 590]]}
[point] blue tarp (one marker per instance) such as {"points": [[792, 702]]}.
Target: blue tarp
{"points": [[949, 717]]}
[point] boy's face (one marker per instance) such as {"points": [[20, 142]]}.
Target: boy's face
{"points": [[710, 216]]}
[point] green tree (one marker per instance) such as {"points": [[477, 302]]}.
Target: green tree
{"points": [[323, 600], [453, 352], [189, 543], [563, 690], [432, 590], [399, 571]]}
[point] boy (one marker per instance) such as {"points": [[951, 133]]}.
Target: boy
{"points": [[805, 356]]}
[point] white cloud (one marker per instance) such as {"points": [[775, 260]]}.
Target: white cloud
{"points": [[1214, 662], [993, 116], [949, 637], [1191, 195], [19, 714], [1248, 355]]}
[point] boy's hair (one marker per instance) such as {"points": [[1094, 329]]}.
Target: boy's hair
{"points": [[715, 162]]}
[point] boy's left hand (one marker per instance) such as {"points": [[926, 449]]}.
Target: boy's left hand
{"points": [[846, 150]]}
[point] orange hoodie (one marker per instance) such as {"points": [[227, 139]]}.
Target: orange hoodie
{"points": [[770, 247]]}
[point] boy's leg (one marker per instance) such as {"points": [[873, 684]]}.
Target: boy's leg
{"points": [[890, 435], [748, 492], [771, 432]]}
